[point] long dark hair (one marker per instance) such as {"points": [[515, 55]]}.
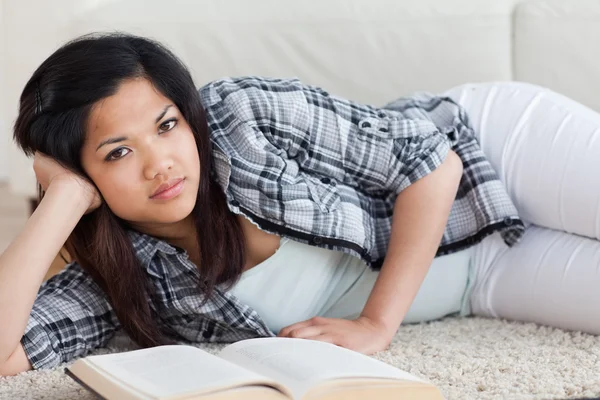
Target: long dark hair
{"points": [[54, 109]]}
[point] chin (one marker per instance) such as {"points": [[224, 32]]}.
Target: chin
{"points": [[167, 213], [163, 219], [176, 212]]}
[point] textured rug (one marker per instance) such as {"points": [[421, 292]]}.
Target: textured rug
{"points": [[467, 358]]}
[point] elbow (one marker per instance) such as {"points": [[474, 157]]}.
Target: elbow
{"points": [[15, 364], [5, 371]]}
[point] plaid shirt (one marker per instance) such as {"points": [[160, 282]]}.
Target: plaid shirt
{"points": [[300, 163]]}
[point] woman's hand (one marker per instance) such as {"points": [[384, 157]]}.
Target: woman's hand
{"points": [[49, 172], [362, 334]]}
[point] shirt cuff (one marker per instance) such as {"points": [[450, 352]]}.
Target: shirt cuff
{"points": [[431, 153], [38, 346]]}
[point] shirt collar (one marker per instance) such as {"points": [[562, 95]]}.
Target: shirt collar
{"points": [[145, 248]]}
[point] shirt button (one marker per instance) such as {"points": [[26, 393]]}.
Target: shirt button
{"points": [[383, 130], [235, 203], [508, 221], [317, 240], [365, 124], [326, 180]]}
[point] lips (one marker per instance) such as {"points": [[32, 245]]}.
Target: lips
{"points": [[166, 186]]}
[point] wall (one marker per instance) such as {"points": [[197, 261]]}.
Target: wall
{"points": [[4, 132], [30, 31]]}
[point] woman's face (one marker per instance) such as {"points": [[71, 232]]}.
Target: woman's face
{"points": [[137, 140]]}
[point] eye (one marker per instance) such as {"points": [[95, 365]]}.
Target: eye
{"points": [[164, 127], [168, 125], [110, 156]]}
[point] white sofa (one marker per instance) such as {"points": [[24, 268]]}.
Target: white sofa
{"points": [[370, 51], [366, 50]]}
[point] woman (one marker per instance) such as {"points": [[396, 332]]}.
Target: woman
{"points": [[261, 207]]}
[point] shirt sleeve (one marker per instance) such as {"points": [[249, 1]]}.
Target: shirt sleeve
{"points": [[70, 317], [378, 149]]}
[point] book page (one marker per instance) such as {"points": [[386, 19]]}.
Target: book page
{"points": [[164, 371], [300, 363]]}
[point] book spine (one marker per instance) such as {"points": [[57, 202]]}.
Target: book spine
{"points": [[76, 379]]}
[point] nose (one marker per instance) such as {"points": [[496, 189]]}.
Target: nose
{"points": [[158, 161]]}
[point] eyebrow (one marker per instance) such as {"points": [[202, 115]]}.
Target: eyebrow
{"points": [[122, 138]]}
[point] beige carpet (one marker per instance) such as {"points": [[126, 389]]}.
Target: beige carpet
{"points": [[470, 358]]}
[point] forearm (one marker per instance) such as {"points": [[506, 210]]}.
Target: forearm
{"points": [[420, 217], [25, 262]]}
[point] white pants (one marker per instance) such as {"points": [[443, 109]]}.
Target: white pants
{"points": [[546, 149]]}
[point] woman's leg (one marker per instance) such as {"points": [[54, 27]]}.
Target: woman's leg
{"points": [[550, 278], [546, 150]]}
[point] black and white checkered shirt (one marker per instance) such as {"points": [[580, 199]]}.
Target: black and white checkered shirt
{"points": [[300, 163]]}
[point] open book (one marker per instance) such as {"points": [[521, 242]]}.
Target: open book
{"points": [[265, 369]]}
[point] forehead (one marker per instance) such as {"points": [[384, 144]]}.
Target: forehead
{"points": [[135, 105]]}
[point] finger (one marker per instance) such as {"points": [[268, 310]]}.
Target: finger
{"points": [[306, 333], [299, 325]]}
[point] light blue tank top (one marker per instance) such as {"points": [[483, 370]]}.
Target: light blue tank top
{"points": [[301, 281]]}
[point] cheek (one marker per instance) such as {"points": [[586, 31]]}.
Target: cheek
{"points": [[118, 191], [189, 151]]}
